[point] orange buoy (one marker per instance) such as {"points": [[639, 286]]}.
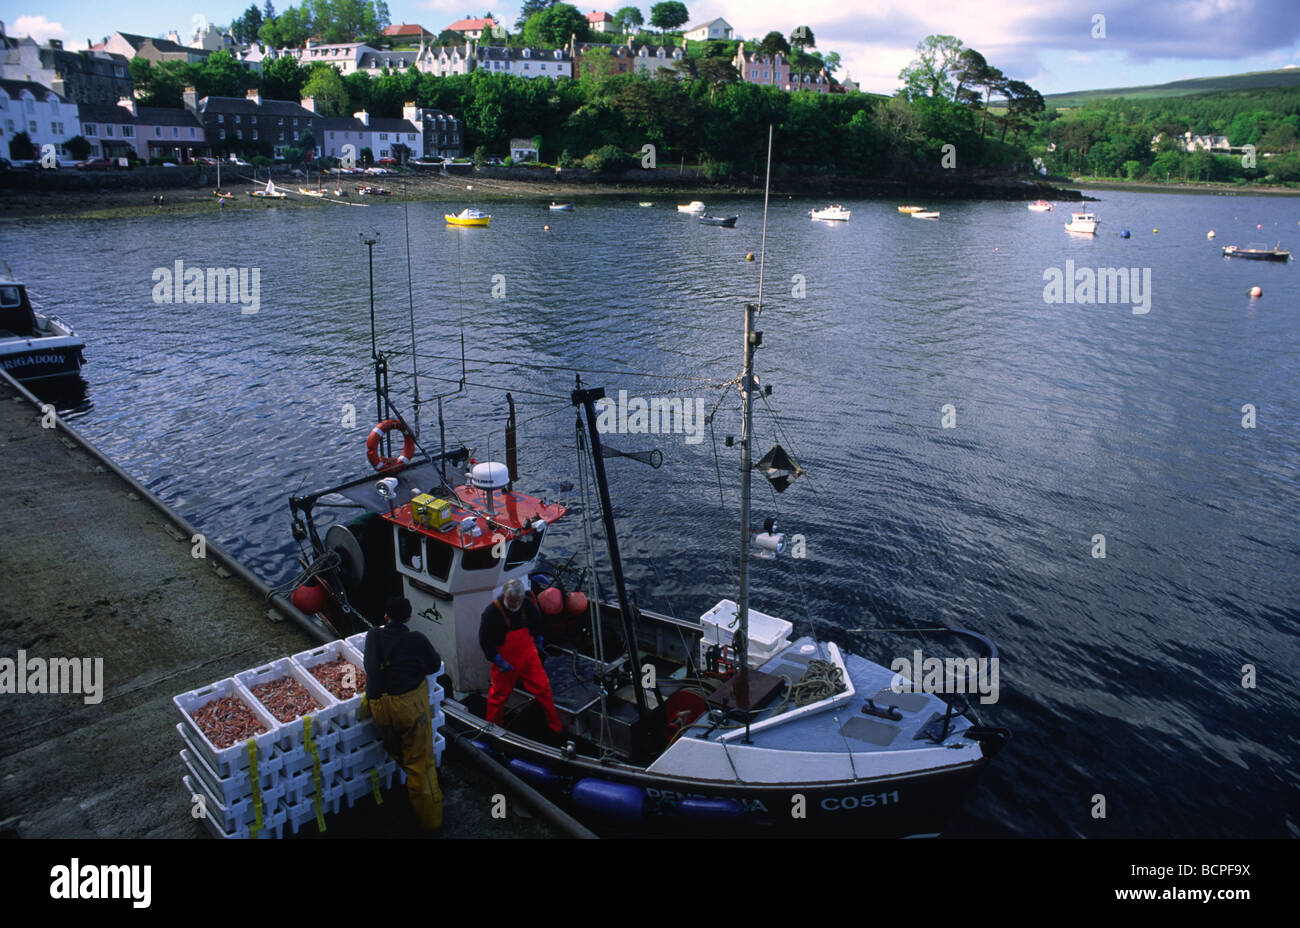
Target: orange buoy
{"points": [[308, 598], [550, 601], [546, 228], [1256, 291], [749, 256], [576, 602]]}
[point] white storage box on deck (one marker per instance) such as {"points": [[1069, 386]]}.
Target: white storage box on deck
{"points": [[302, 813], [238, 814], [301, 786], [226, 762], [228, 789], [345, 712], [297, 758], [363, 733], [291, 732], [767, 634], [357, 788], [272, 822]]}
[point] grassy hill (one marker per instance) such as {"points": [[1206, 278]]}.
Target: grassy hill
{"points": [[1254, 80]]}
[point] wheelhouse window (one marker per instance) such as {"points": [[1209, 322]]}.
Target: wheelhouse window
{"points": [[523, 550], [479, 558]]}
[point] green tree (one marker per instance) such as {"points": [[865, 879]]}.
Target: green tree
{"points": [[451, 38], [1132, 169], [773, 44], [326, 87], [283, 79], [21, 147], [831, 62], [606, 158], [668, 15], [307, 141], [244, 29], [628, 19], [531, 8], [78, 147], [220, 75], [552, 28], [802, 38], [930, 73]]}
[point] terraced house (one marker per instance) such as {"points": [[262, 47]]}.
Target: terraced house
{"points": [[124, 129], [230, 122], [47, 118], [88, 76]]}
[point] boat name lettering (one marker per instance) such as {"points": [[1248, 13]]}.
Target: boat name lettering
{"points": [[849, 803], [672, 797], [30, 359]]}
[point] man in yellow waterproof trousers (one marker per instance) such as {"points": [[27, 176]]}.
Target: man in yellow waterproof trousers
{"points": [[397, 662]]}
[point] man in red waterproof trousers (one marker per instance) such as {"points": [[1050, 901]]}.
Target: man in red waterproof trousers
{"points": [[510, 634]]}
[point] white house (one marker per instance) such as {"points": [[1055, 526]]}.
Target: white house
{"points": [[652, 58], [600, 22], [47, 118], [345, 56], [403, 138], [716, 29], [524, 62], [523, 150]]}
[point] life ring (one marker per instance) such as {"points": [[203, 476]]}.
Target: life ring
{"points": [[385, 464]]}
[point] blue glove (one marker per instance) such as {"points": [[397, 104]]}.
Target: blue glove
{"points": [[539, 642], [502, 664]]}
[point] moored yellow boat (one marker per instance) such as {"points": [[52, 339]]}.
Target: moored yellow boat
{"points": [[911, 209], [468, 217]]}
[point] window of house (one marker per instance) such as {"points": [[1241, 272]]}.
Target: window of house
{"points": [[236, 119], [191, 132], [128, 132], [88, 128], [295, 120], [221, 118], [108, 129], [383, 136], [221, 133], [254, 133], [239, 133]]}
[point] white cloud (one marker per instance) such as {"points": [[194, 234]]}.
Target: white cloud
{"points": [[38, 27]]}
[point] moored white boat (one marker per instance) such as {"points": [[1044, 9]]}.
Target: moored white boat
{"points": [[1041, 206], [34, 346], [1083, 223], [926, 214], [695, 206], [834, 213]]}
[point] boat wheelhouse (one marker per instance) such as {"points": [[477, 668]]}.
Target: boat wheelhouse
{"points": [[1083, 223]]}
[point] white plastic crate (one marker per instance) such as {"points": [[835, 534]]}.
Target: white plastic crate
{"points": [[357, 788], [290, 733], [359, 735], [362, 760], [300, 787], [298, 758], [272, 823], [357, 643], [229, 818], [228, 789], [225, 762], [298, 814], [346, 710], [435, 691]]}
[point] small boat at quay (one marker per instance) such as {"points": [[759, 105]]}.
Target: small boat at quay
{"points": [[911, 209], [468, 217], [34, 346], [834, 213], [1041, 206], [926, 214], [562, 207], [1083, 223], [695, 206], [645, 203], [372, 191], [269, 192], [728, 222], [1257, 253]]}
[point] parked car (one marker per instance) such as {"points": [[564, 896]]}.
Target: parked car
{"points": [[94, 164], [239, 162], [388, 162], [205, 160], [494, 161]]}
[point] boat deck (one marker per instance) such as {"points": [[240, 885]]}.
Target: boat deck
{"points": [[845, 728]]}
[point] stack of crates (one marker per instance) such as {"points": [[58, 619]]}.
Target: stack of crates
{"points": [[296, 772]]}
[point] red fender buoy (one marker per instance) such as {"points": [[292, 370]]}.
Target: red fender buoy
{"points": [[576, 602], [550, 601], [308, 598], [385, 464]]}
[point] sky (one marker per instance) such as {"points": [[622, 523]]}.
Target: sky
{"points": [[1054, 45]]}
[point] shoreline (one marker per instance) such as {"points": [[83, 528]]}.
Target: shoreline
{"points": [[1157, 187], [473, 189]]}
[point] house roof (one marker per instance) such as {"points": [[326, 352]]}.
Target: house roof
{"points": [[504, 53], [344, 124], [708, 23], [398, 60], [163, 45], [388, 124], [468, 25], [523, 143], [165, 116], [406, 29], [105, 112], [594, 17], [243, 105], [15, 89]]}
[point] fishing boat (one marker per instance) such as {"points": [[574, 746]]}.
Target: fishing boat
{"points": [[1083, 223], [1257, 252], [695, 206], [35, 346], [645, 203], [926, 214], [562, 207], [468, 217], [728, 222], [911, 209], [269, 192], [1041, 206], [729, 723], [309, 192], [370, 190], [834, 213]]}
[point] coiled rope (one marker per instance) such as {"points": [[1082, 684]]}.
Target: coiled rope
{"points": [[821, 680]]}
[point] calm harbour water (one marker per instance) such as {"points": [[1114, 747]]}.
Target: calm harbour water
{"points": [[1119, 676]]}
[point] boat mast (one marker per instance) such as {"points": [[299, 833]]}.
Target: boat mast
{"points": [[752, 340]]}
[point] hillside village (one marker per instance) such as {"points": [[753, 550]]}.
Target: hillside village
{"points": [[103, 101]]}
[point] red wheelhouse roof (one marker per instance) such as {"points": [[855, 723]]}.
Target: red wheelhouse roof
{"points": [[513, 514]]}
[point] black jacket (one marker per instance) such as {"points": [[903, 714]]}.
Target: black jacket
{"points": [[493, 625], [397, 660]]}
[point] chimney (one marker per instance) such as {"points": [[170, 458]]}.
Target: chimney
{"points": [[410, 112], [56, 43], [127, 103], [174, 36], [256, 96], [364, 117], [309, 104], [191, 100]]}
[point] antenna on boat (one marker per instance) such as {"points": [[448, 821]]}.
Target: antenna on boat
{"points": [[753, 339], [410, 294]]}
